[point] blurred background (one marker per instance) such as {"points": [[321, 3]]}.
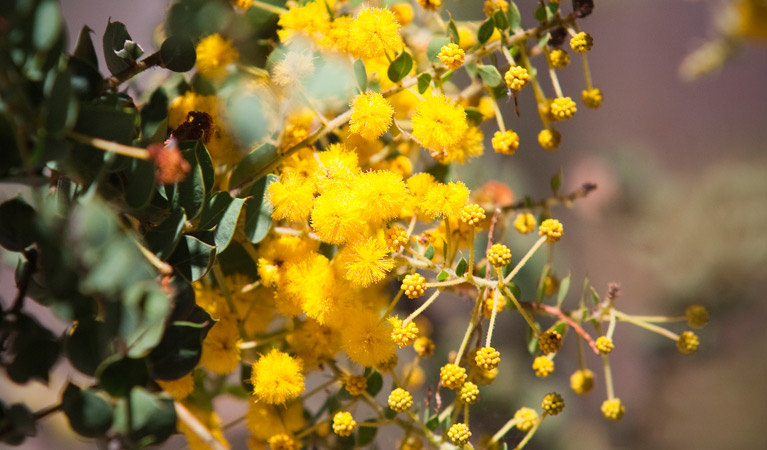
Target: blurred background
{"points": [[680, 217]]}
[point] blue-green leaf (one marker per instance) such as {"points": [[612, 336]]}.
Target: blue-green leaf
{"points": [[564, 286], [228, 224], [460, 269], [424, 80], [429, 253], [443, 276], [361, 74], [163, 238], [258, 213], [485, 31], [400, 67], [489, 75], [435, 46]]}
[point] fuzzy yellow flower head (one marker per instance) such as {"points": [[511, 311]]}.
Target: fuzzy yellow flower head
{"points": [[344, 424], [439, 123], [312, 18], [581, 42], [592, 98], [516, 78], [214, 54], [697, 316], [367, 339], [552, 229], [371, 115], [366, 261], [549, 139], [277, 378], [292, 197], [403, 12], [337, 216], [452, 56], [374, 33], [559, 59], [452, 376], [505, 142], [444, 200], [525, 222], [403, 335], [499, 255], [563, 108], [582, 381], [220, 349], [613, 409], [283, 441], [459, 434], [381, 193], [543, 366], [526, 418], [687, 343], [400, 400], [491, 6]]}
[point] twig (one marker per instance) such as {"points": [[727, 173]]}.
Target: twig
{"points": [[583, 191], [185, 416], [567, 319]]}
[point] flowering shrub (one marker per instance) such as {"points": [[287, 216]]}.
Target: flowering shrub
{"points": [[275, 224]]}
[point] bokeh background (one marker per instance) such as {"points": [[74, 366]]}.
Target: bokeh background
{"points": [[680, 217]]}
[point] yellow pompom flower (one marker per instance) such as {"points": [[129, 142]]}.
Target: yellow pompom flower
{"points": [[543, 366], [549, 139], [592, 97], [277, 378], [516, 78], [337, 217], [459, 434], [559, 59], [367, 339], [526, 418], [613, 409], [403, 12], [452, 376], [220, 349], [487, 358], [550, 342], [336, 37], [444, 200], [430, 4], [338, 168], [687, 343], [371, 115], [178, 389], [499, 255], [396, 238], [470, 146], [469, 393], [382, 195], [525, 222], [605, 344], [400, 400], [582, 381], [366, 261], [487, 305], [506, 142], [355, 384], [552, 229], [344, 424], [563, 108], [553, 403], [423, 346], [697, 316], [292, 197], [403, 335], [283, 441], [491, 6], [374, 33], [214, 54], [439, 123], [472, 214], [452, 56], [264, 420], [581, 42], [312, 18]]}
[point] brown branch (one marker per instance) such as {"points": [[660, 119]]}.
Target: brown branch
{"points": [[153, 60], [582, 192], [565, 318]]}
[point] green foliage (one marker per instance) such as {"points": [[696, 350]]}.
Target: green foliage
{"points": [[400, 67]]}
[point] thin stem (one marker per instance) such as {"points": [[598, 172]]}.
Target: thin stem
{"points": [[269, 7], [554, 200], [521, 310], [530, 433], [647, 326], [189, 419], [569, 321], [498, 115], [661, 319], [234, 422], [586, 71], [422, 308], [452, 282], [555, 82], [109, 146], [317, 389], [524, 259], [162, 266], [492, 321], [470, 273], [540, 97], [470, 328], [392, 305], [502, 432], [608, 377], [611, 326]]}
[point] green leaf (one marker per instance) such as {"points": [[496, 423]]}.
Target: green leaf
{"points": [[515, 18], [258, 211], [532, 341], [564, 286], [35, 350], [141, 319], [429, 253], [89, 415], [452, 31], [556, 182], [139, 183], [88, 345], [485, 31], [400, 67], [60, 110], [18, 424], [542, 283], [435, 46], [154, 116], [228, 225], [178, 54], [117, 375], [489, 75], [153, 417], [424, 80], [471, 69], [179, 351], [48, 25], [192, 258], [115, 37], [214, 209], [540, 13], [473, 115], [17, 227], [500, 19], [189, 194], [460, 269], [361, 74], [443, 276], [163, 238], [84, 50], [365, 435], [256, 160], [433, 423], [375, 383]]}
